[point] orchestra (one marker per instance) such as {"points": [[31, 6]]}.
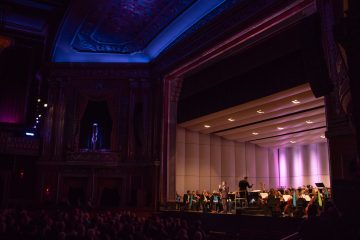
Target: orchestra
{"points": [[277, 202]]}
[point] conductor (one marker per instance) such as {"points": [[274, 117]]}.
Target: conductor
{"points": [[243, 185]]}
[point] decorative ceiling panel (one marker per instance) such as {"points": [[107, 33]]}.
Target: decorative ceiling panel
{"points": [[126, 26]]}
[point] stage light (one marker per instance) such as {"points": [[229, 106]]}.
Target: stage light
{"points": [[39, 115], [295, 101], [45, 105], [207, 126], [29, 134], [255, 133], [38, 100], [309, 122], [231, 119], [260, 111], [322, 136], [34, 126], [280, 128]]}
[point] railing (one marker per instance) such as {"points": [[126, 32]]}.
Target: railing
{"points": [[18, 145]]}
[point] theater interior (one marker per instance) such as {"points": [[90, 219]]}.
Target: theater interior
{"points": [[141, 113]]}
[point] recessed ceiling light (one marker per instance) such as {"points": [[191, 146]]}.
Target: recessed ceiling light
{"points": [[207, 126], [322, 136], [255, 133], [231, 119], [292, 141], [260, 111], [280, 128], [295, 101], [309, 121]]}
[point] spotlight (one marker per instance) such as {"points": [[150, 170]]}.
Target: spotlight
{"points": [[39, 115], [45, 105], [38, 100]]}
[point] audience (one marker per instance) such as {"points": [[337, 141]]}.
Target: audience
{"points": [[79, 224]]}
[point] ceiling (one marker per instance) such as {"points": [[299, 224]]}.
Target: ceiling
{"points": [[271, 121], [128, 30]]}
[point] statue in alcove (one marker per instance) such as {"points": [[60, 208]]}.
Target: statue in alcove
{"points": [[95, 127]]}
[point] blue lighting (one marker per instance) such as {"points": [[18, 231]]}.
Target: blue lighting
{"points": [[64, 52], [30, 134]]}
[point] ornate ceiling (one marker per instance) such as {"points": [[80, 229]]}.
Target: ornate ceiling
{"points": [[127, 30]]}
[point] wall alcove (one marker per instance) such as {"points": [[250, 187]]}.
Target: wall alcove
{"points": [[96, 112]]}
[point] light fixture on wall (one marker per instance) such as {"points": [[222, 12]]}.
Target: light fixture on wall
{"points": [[255, 133], [207, 126], [231, 119], [260, 111], [309, 122], [295, 101]]}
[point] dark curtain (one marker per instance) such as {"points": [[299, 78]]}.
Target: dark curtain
{"points": [[14, 77]]}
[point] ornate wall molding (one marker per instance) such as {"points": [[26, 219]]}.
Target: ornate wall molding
{"points": [[90, 71]]}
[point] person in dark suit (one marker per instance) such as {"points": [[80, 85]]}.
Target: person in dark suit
{"points": [[243, 186], [187, 200]]}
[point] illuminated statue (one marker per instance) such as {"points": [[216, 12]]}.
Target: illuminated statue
{"points": [[94, 137]]}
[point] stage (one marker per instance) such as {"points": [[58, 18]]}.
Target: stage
{"points": [[246, 224]]}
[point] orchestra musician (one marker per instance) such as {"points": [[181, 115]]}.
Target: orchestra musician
{"points": [[224, 192]]}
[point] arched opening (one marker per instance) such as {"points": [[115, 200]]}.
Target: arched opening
{"points": [[96, 121]]}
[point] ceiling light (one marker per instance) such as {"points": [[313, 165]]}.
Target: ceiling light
{"points": [[231, 119], [280, 128], [45, 104], [207, 126], [309, 121], [295, 101], [38, 100], [255, 133], [322, 136], [260, 111], [292, 141]]}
